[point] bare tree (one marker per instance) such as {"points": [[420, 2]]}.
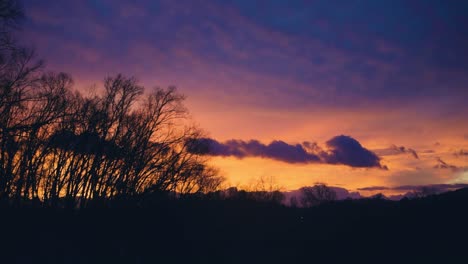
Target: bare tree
{"points": [[59, 145], [19, 77], [293, 202], [131, 143], [11, 13], [264, 189], [317, 194]]}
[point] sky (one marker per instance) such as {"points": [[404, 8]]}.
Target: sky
{"points": [[352, 93]]}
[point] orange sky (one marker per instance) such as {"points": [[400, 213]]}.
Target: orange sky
{"points": [[377, 129]]}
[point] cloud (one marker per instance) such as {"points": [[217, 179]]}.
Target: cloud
{"points": [[341, 150], [428, 151], [395, 150], [461, 152], [444, 165], [436, 187], [277, 150], [348, 151], [374, 188]]}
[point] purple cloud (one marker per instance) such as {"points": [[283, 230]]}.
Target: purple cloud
{"points": [[277, 150], [348, 151], [461, 153], [395, 150], [374, 188], [444, 165], [341, 150], [437, 188]]}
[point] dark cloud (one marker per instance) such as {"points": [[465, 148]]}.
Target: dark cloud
{"points": [[436, 187], [411, 191], [341, 150], [428, 151], [413, 152], [461, 153], [348, 151], [277, 150], [444, 165], [313, 147], [395, 150], [374, 188]]}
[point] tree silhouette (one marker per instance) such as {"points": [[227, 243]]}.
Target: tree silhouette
{"points": [[317, 194], [19, 122], [66, 148], [60, 144]]}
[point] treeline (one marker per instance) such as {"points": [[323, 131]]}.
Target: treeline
{"points": [[305, 197], [66, 148]]}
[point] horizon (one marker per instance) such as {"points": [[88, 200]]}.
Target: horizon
{"points": [[353, 94]]}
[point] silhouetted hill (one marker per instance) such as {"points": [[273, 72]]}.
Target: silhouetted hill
{"points": [[197, 229], [457, 196]]}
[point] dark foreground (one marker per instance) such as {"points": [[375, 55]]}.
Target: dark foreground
{"points": [[432, 229]]}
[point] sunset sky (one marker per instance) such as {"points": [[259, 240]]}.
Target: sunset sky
{"points": [[391, 76]]}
